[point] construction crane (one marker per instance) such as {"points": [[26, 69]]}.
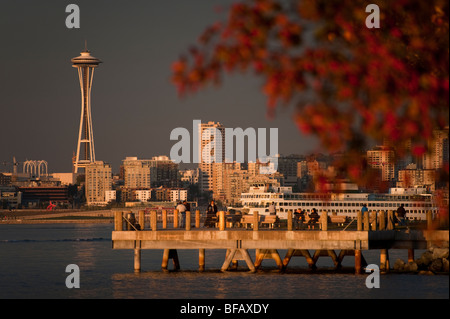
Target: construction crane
{"points": [[14, 164]]}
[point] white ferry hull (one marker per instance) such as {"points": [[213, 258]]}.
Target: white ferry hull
{"points": [[343, 204]]}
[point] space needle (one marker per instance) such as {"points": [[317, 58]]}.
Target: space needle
{"points": [[86, 65]]}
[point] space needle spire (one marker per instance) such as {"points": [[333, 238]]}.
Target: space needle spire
{"points": [[86, 65]]}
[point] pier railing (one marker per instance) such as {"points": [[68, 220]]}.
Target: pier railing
{"points": [[144, 220]]}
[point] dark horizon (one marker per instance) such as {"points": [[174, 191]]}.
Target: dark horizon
{"points": [[134, 105]]}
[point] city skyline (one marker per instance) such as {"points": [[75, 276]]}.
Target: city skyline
{"points": [[133, 99]]}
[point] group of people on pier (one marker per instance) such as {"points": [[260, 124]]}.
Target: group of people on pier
{"points": [[299, 219]]}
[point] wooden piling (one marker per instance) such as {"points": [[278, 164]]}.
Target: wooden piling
{"points": [[222, 220], [384, 261], [324, 220], [164, 219], [137, 259], [359, 220], [390, 225], [188, 220], [141, 219], [289, 221], [130, 220], [255, 221], [374, 220], [429, 220], [382, 220], [366, 221], [153, 220], [175, 218], [170, 254], [201, 259], [358, 261], [118, 221], [411, 255], [197, 219]]}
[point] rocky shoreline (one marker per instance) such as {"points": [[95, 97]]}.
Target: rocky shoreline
{"points": [[433, 261]]}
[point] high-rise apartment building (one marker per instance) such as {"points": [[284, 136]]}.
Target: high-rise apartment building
{"points": [[408, 178], [145, 174], [211, 138], [98, 182], [137, 173], [165, 171], [383, 159], [438, 154], [221, 172], [236, 183]]}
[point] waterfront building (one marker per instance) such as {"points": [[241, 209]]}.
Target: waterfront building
{"points": [[98, 182], [143, 195], [40, 196], [161, 194], [177, 195], [110, 196], [5, 179], [10, 197]]}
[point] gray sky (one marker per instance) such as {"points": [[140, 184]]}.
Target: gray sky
{"points": [[134, 105]]}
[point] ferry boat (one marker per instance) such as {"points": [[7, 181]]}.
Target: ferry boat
{"points": [[415, 200]]}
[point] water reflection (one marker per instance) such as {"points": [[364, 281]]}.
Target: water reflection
{"points": [[34, 259]]}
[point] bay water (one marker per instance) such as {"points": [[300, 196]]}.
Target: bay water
{"points": [[33, 261]]}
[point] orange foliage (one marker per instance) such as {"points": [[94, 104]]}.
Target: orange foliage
{"points": [[350, 84]]}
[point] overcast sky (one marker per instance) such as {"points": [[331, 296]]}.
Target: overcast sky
{"points": [[134, 105]]}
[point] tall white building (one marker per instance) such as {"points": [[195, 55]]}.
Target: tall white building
{"points": [[178, 195], [211, 138], [143, 195], [110, 196]]}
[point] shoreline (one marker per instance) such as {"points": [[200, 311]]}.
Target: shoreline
{"points": [[25, 217]]}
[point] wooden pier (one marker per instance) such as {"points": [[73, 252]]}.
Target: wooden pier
{"points": [[374, 230]]}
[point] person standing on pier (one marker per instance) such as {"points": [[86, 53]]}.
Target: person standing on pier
{"points": [[272, 209], [313, 218], [299, 218], [364, 209], [302, 216], [187, 205], [182, 210], [211, 214], [401, 215]]}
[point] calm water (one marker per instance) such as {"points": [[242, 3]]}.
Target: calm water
{"points": [[33, 259]]}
